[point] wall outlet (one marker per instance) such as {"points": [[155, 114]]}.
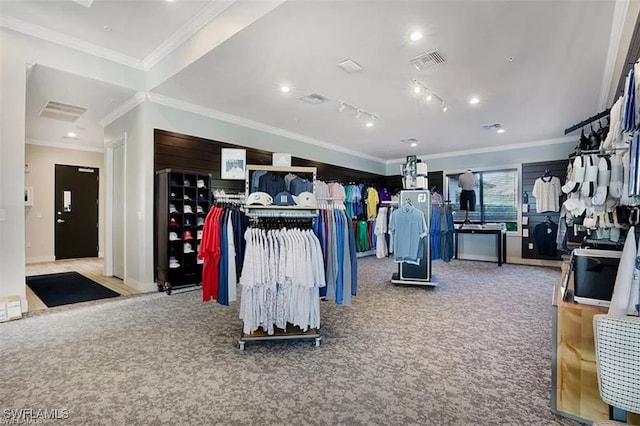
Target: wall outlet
{"points": [[530, 246]]}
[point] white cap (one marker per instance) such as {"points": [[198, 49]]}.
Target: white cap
{"points": [[201, 183], [306, 199], [188, 209], [199, 234], [172, 209], [173, 236], [188, 248], [261, 198], [200, 209]]}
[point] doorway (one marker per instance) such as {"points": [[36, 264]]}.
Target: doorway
{"points": [[76, 212]]}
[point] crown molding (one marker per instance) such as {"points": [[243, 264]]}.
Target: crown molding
{"points": [[123, 108], [70, 42], [195, 24], [62, 145], [620, 10], [230, 118], [534, 144]]}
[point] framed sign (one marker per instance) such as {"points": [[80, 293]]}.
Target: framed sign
{"points": [[233, 163]]}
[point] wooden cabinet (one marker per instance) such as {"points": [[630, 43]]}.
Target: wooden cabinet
{"points": [[575, 392], [182, 202]]}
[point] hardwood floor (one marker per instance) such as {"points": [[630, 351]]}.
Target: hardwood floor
{"points": [[92, 268]]}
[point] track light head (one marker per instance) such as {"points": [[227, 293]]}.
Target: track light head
{"points": [[358, 113], [429, 97], [341, 108]]}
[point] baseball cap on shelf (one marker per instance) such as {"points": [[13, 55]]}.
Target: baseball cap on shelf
{"points": [[200, 209], [187, 222], [173, 195], [187, 183], [201, 221], [283, 199], [186, 235], [201, 183], [306, 199], [188, 209], [188, 248], [201, 197], [186, 197], [173, 236], [199, 234], [172, 208], [173, 222], [174, 182], [261, 198], [200, 261], [173, 263]]}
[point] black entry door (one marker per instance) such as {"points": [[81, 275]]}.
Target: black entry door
{"points": [[76, 214]]}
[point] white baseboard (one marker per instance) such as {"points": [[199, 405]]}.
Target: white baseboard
{"points": [[40, 259], [515, 260], [101, 254], [140, 286]]}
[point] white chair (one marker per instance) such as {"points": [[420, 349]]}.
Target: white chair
{"points": [[617, 342]]}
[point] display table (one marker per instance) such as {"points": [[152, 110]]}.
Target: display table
{"points": [[574, 379], [501, 241]]}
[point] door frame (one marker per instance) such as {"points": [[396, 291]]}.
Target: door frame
{"points": [[109, 164]]}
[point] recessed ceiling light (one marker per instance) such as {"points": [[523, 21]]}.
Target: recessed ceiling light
{"points": [[429, 97], [415, 36], [417, 89], [71, 135], [369, 124], [285, 89], [501, 130], [444, 109], [414, 144], [107, 28], [474, 100]]}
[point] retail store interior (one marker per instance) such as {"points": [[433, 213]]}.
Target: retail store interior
{"points": [[322, 212]]}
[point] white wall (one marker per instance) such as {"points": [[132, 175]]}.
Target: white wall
{"points": [[39, 218], [16, 51]]}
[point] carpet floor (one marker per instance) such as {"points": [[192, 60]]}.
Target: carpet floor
{"points": [[474, 350]]}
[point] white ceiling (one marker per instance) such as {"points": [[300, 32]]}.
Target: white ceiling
{"points": [[46, 84], [560, 48], [137, 27]]}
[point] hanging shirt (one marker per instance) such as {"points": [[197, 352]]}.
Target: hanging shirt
{"points": [[372, 202], [272, 184], [408, 226], [544, 235], [547, 191]]}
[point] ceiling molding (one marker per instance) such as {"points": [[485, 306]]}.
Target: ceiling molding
{"points": [[62, 145], [70, 42], [219, 115], [184, 33], [617, 28], [534, 144], [123, 108]]}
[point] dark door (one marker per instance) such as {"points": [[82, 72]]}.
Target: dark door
{"points": [[76, 214]]}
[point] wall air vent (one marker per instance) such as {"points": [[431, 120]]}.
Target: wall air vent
{"points": [[426, 60], [314, 99], [62, 112]]}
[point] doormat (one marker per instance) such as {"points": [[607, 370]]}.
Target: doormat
{"points": [[67, 288]]}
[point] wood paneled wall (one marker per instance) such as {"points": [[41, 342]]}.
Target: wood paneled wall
{"points": [[184, 152]]}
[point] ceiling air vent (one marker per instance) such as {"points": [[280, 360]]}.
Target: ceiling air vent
{"points": [[494, 126], [426, 60], [61, 111], [409, 141], [314, 99], [350, 66]]}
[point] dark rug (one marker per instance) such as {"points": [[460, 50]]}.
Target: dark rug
{"points": [[66, 288]]}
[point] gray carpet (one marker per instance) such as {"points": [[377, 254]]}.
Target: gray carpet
{"points": [[475, 350]]}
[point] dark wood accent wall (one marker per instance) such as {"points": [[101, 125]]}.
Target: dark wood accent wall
{"points": [[531, 172], [184, 152]]}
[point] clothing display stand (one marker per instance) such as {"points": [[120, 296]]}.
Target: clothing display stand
{"points": [[417, 274], [281, 214]]}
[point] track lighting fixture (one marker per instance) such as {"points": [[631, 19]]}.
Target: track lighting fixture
{"points": [[341, 108], [444, 107], [429, 97], [358, 113]]}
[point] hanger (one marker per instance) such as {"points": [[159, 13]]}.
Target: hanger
{"points": [[547, 173]]}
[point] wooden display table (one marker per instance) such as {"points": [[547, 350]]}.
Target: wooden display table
{"points": [[574, 387]]}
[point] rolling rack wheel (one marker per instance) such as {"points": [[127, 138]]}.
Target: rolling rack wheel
{"points": [[241, 345], [317, 341], [167, 288]]}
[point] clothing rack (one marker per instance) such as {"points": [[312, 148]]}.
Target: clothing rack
{"points": [[600, 152], [589, 120]]}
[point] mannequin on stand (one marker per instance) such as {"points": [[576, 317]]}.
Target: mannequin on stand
{"points": [[468, 182]]}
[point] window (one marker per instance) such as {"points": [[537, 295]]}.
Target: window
{"points": [[496, 198]]}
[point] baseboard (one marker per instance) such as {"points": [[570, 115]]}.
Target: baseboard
{"points": [[101, 254], [140, 286], [40, 259], [516, 261]]}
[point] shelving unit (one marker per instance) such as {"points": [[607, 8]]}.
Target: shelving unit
{"points": [[183, 200], [277, 212]]}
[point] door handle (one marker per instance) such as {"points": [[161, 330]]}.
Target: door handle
{"points": [[60, 220]]}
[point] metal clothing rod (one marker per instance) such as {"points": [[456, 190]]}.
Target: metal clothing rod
{"points": [[587, 121]]}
